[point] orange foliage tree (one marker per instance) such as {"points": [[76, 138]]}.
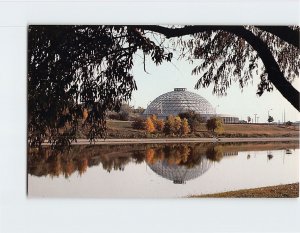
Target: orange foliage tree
{"points": [[160, 125], [149, 126]]}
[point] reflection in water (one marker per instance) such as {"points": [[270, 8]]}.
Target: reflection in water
{"points": [[121, 170], [178, 163]]}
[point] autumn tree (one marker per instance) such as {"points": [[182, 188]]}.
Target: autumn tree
{"points": [[193, 119], [169, 125], [177, 125], [149, 126], [160, 125], [215, 124], [185, 128]]}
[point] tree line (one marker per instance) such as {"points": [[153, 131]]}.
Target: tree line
{"points": [[180, 125]]}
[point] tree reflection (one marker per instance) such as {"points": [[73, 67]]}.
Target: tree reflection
{"points": [[215, 153], [78, 159]]}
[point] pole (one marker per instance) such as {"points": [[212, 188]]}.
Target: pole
{"points": [[255, 117]]}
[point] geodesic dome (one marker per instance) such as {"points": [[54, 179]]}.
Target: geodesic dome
{"points": [[179, 174], [178, 101]]}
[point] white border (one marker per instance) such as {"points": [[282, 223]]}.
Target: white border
{"points": [[19, 214]]}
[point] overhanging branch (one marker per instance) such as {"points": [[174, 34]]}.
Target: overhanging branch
{"points": [[272, 67], [285, 33]]}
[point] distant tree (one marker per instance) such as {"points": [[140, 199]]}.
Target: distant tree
{"points": [[185, 128], [249, 119], [169, 125], [138, 123], [177, 125], [149, 126], [125, 111], [123, 116], [215, 124], [193, 119], [288, 123], [270, 119], [160, 125]]}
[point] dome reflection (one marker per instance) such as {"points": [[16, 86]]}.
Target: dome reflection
{"points": [[178, 163], [179, 174]]}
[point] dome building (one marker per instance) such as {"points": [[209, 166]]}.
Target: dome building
{"points": [[179, 101]]}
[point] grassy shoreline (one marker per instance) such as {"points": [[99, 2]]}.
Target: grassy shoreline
{"points": [[278, 191], [123, 129]]}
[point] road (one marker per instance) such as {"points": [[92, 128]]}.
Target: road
{"points": [[178, 140]]}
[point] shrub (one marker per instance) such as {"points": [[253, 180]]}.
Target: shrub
{"points": [[138, 123]]}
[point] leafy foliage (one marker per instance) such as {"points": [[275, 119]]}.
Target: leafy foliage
{"points": [[185, 128], [270, 119], [149, 126], [215, 124], [222, 58], [169, 125], [193, 119], [138, 123], [71, 68]]}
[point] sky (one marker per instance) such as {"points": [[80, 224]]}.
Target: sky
{"points": [[241, 103]]}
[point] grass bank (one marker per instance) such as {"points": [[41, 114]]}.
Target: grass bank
{"points": [[279, 191], [123, 129]]}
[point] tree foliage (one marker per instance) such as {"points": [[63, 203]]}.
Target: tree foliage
{"points": [[227, 54], [185, 128], [215, 124], [270, 119], [75, 67], [193, 119], [169, 125], [138, 123], [149, 125]]}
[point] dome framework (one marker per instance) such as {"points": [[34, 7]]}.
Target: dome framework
{"points": [[179, 101]]}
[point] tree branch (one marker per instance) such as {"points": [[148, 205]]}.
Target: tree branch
{"points": [[272, 67], [285, 33]]}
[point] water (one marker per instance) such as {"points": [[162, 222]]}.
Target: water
{"points": [[160, 170]]}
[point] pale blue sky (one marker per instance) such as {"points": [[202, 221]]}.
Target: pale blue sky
{"points": [[242, 103]]}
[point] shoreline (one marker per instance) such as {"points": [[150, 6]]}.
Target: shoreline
{"points": [[176, 140], [277, 191]]}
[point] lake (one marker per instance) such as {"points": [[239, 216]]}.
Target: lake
{"points": [[160, 170]]}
